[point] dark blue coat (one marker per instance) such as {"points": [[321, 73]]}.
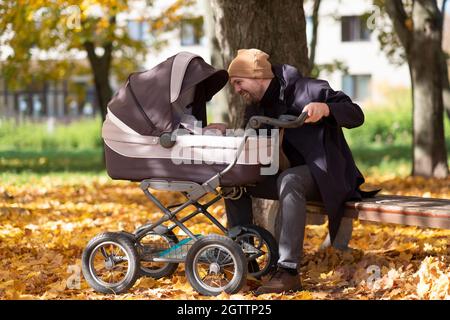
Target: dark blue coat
{"points": [[322, 144]]}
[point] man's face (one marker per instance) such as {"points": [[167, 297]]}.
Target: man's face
{"points": [[252, 90]]}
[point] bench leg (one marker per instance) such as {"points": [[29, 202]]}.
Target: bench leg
{"points": [[343, 237]]}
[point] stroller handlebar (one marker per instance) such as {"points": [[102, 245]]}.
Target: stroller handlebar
{"points": [[284, 121]]}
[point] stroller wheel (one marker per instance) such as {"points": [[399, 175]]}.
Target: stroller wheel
{"points": [[215, 264], [110, 263], [260, 248], [152, 244]]}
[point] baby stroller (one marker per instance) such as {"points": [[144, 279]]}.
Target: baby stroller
{"points": [[140, 134]]}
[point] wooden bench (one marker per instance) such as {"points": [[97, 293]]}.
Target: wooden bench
{"points": [[404, 210]]}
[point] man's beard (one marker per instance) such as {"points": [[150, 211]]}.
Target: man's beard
{"points": [[248, 99]]}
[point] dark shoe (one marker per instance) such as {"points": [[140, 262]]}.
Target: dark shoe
{"points": [[281, 281]]}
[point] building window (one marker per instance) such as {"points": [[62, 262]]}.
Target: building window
{"points": [[191, 31], [138, 30], [354, 28], [357, 87]]}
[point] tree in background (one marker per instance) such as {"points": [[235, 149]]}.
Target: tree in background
{"points": [[316, 69], [61, 29], [313, 40], [418, 28], [394, 50], [276, 27], [430, 160]]}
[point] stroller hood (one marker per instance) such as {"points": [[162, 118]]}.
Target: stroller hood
{"points": [[152, 101]]}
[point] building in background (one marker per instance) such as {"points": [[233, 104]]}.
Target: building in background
{"points": [[343, 36], [346, 35]]}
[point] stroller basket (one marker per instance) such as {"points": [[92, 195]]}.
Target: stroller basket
{"points": [[161, 251], [178, 251]]}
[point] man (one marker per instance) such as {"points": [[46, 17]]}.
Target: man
{"points": [[316, 162]]}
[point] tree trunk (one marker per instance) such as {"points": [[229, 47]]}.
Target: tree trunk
{"points": [[421, 31], [430, 155], [275, 27], [101, 67]]}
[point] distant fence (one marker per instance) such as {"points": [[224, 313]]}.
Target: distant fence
{"points": [[49, 101]]}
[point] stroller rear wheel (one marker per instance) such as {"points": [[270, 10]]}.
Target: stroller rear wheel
{"points": [[149, 246], [260, 248], [215, 264], [110, 263]]}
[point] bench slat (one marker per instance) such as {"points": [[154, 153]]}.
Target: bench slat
{"points": [[415, 211]]}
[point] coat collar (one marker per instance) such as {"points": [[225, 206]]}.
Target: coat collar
{"points": [[288, 76]]}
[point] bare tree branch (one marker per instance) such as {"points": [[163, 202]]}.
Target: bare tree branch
{"points": [[396, 11], [315, 20]]}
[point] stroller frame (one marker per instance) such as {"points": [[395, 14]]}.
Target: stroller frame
{"points": [[171, 215]]}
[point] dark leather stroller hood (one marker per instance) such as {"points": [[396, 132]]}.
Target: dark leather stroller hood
{"points": [[150, 101]]}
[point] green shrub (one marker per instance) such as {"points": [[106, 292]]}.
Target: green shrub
{"points": [[79, 135]]}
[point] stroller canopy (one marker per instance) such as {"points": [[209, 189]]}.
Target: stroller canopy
{"points": [[152, 102]]}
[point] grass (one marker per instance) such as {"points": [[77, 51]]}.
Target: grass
{"points": [[383, 144], [46, 137], [27, 177], [33, 150], [51, 160]]}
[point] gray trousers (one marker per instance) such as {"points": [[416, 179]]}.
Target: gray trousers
{"points": [[292, 188]]}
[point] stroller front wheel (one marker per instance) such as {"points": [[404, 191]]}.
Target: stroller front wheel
{"points": [[110, 263], [215, 264]]}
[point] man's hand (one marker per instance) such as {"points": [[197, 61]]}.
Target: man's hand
{"points": [[316, 111], [217, 126]]}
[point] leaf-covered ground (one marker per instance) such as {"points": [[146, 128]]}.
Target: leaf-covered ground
{"points": [[46, 222]]}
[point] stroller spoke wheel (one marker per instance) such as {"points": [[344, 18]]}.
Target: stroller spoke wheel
{"points": [[260, 249], [110, 263], [215, 264]]}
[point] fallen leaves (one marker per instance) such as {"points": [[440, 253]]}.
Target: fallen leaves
{"points": [[46, 223], [433, 279]]}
